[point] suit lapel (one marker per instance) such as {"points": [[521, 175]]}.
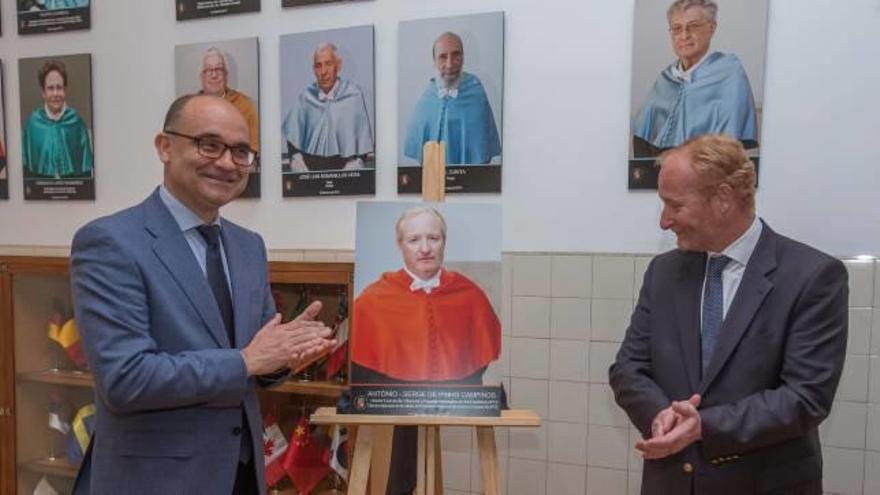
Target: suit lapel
{"points": [[233, 244], [175, 254], [753, 289], [687, 299]]}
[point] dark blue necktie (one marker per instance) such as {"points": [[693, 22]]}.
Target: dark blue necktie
{"points": [[713, 306], [217, 277]]}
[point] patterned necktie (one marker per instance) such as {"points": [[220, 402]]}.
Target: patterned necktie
{"points": [[217, 277], [713, 306]]}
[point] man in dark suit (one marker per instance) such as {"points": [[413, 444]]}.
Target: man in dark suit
{"points": [[178, 321], [736, 346]]}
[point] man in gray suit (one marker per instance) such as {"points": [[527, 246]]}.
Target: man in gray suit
{"points": [[178, 322], [736, 346]]}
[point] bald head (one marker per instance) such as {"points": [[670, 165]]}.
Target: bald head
{"points": [[448, 53]]}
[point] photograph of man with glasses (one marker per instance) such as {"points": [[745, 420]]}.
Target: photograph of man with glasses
{"points": [[228, 69], [703, 90]]}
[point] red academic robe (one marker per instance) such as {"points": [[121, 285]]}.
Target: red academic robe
{"points": [[448, 334]]}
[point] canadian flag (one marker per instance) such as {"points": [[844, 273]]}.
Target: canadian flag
{"points": [[274, 446]]}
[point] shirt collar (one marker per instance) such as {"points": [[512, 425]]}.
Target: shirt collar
{"points": [[55, 117], [330, 95], [741, 249], [687, 75], [421, 284], [186, 219]]}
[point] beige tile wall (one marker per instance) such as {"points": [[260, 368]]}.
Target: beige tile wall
{"points": [[567, 315]]}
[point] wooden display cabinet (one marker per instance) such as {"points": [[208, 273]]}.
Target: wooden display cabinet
{"points": [[36, 375]]}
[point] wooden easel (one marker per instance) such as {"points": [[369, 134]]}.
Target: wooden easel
{"points": [[372, 447]]}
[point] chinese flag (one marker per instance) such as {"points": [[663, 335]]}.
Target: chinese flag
{"points": [[304, 460]]}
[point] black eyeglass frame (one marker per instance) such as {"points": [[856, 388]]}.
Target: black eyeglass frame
{"points": [[203, 144]]}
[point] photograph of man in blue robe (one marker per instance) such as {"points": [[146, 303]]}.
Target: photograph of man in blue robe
{"points": [[702, 92], [328, 127], [453, 110], [55, 139]]}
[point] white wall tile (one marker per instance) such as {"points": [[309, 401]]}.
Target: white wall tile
{"points": [[477, 478], [854, 381], [872, 473], [859, 336], [572, 276], [602, 355], [525, 477], [861, 283], [563, 479], [610, 318], [529, 443], [457, 470], [567, 442], [568, 360], [873, 440], [603, 410], [845, 426], [531, 317], [607, 447], [874, 380], [602, 481], [613, 277], [877, 285], [529, 358], [570, 318], [634, 459], [456, 438], [634, 483], [568, 401], [875, 330], [642, 263], [843, 470], [530, 394], [531, 275]]}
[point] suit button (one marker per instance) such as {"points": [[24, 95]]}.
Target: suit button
{"points": [[687, 467], [236, 431]]}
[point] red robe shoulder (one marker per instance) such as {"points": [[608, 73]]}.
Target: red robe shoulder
{"points": [[448, 334]]}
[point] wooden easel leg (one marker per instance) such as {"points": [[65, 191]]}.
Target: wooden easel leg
{"points": [[434, 468], [360, 464], [438, 463], [381, 459], [420, 462], [488, 460]]}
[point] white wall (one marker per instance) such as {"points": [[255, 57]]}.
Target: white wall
{"points": [[566, 100]]}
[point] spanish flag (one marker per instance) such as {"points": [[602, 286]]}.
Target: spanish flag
{"points": [[67, 337], [82, 427]]}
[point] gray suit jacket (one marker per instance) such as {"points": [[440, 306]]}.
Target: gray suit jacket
{"points": [[771, 379], [169, 387]]}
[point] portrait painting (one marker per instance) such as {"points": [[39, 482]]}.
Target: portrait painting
{"points": [[328, 112], [450, 87], [57, 138], [698, 68], [229, 69], [50, 16], [427, 295]]}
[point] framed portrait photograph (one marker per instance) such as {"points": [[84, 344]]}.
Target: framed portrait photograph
{"points": [[426, 335], [51, 16], [698, 68], [229, 69], [301, 3], [328, 108], [57, 148], [4, 173], [450, 87], [198, 9]]}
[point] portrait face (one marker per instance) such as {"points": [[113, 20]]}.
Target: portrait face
{"points": [[448, 58], [204, 184], [688, 211], [422, 244], [53, 91], [691, 34], [326, 67], [213, 75]]}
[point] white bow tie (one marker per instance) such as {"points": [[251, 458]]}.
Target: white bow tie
{"points": [[425, 285], [444, 92], [324, 96]]}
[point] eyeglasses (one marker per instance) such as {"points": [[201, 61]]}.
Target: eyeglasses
{"points": [[690, 27], [213, 71], [210, 147]]}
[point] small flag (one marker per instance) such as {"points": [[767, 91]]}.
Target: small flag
{"points": [[338, 453], [81, 430], [44, 488], [67, 337], [339, 355], [304, 460], [274, 446]]}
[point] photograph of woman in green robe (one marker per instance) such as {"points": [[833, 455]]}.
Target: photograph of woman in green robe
{"points": [[55, 141]]}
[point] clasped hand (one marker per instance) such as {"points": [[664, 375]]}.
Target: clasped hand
{"points": [[673, 429], [278, 344]]}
